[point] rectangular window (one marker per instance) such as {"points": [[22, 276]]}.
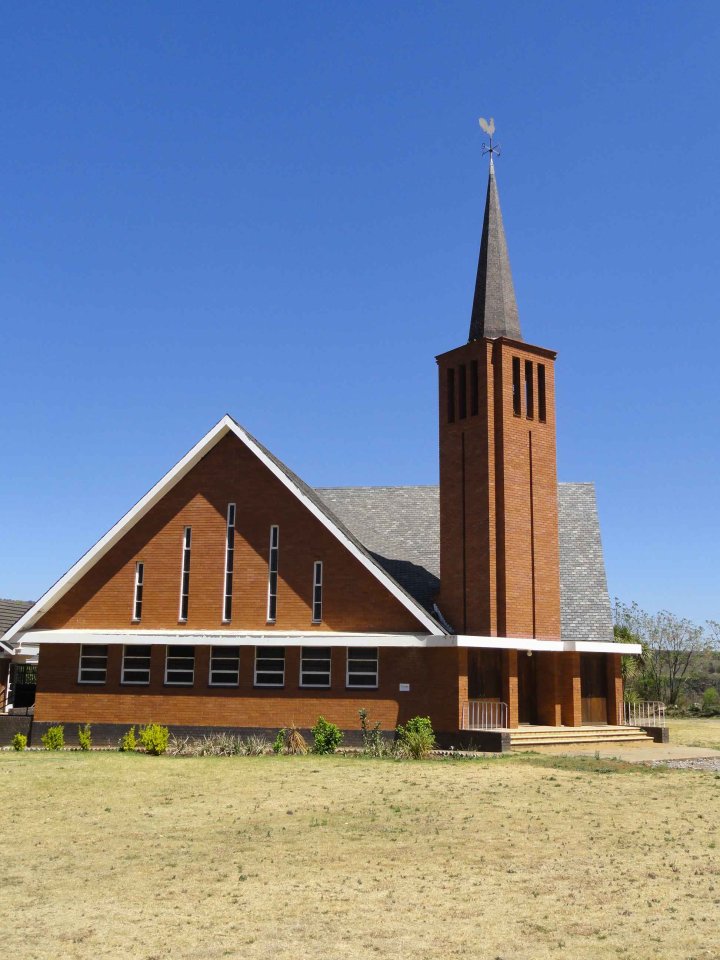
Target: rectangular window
{"points": [[317, 591], [542, 409], [185, 574], [516, 386], [137, 601], [229, 562], [529, 391], [362, 667], [269, 666], [93, 663], [224, 666], [315, 667], [474, 388], [136, 664], [180, 666], [462, 391], [451, 395], [273, 574]]}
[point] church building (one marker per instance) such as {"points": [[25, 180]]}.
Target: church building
{"points": [[234, 596]]}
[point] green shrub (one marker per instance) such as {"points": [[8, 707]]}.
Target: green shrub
{"points": [[416, 739], [54, 738], [154, 739], [279, 741], [129, 741], [19, 742], [85, 737], [327, 736], [711, 701], [373, 743]]}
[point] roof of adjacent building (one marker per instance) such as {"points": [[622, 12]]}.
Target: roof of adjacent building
{"points": [[10, 613], [494, 310], [400, 526]]}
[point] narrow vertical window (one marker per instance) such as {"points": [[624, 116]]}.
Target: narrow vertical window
{"points": [[317, 591], [229, 561], [517, 409], [451, 395], [185, 574], [138, 594], [474, 388], [273, 574], [529, 391], [462, 391], [542, 409]]}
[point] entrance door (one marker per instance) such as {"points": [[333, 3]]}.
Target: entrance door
{"points": [[593, 687], [527, 688], [23, 680]]}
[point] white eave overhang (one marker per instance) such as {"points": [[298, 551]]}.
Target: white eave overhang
{"points": [[228, 638]]}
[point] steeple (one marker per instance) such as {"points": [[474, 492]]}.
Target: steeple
{"points": [[494, 311]]}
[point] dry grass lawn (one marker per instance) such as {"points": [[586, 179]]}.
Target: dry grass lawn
{"points": [[696, 732], [520, 858]]}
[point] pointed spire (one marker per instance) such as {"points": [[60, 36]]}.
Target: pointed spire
{"points": [[494, 311]]}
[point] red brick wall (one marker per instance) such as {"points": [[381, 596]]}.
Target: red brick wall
{"points": [[353, 598], [433, 675], [499, 549]]}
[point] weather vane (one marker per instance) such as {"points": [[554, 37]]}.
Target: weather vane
{"points": [[489, 127]]}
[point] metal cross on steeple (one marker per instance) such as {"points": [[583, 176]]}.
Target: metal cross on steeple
{"points": [[489, 128]]}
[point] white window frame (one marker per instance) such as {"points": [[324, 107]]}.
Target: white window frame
{"points": [[303, 658], [363, 673], [139, 583], [135, 683], [229, 562], [274, 554], [222, 654], [317, 605], [90, 646], [179, 683], [259, 651], [185, 555]]}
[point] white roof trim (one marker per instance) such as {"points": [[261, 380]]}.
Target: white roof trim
{"points": [[295, 638], [173, 476]]}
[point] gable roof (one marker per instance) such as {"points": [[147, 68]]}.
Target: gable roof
{"points": [[10, 613], [292, 482], [401, 526]]}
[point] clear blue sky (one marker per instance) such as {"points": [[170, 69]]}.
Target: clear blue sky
{"points": [[274, 210]]}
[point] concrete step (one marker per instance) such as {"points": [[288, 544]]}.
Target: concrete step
{"points": [[548, 736]]}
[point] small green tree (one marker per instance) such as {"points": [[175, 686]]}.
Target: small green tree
{"points": [[327, 736], [129, 741], [711, 701], [372, 739], [154, 739], [19, 742], [279, 741], [85, 737], [416, 739], [54, 738]]}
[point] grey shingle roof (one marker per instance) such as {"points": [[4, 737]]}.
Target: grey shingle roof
{"points": [[400, 526], [10, 613], [585, 607]]}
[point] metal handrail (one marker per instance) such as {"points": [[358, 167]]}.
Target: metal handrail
{"points": [[16, 711], [642, 713], [484, 715]]}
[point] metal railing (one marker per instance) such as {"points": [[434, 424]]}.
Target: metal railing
{"points": [[642, 713], [8, 708], [484, 715]]}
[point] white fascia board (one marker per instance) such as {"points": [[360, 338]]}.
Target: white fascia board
{"points": [[560, 646], [591, 646], [227, 638], [173, 476]]}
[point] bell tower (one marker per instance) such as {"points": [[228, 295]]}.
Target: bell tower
{"points": [[499, 550]]}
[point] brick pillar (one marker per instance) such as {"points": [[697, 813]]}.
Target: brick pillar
{"points": [[570, 689], [614, 687], [548, 700], [510, 685], [462, 681]]}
